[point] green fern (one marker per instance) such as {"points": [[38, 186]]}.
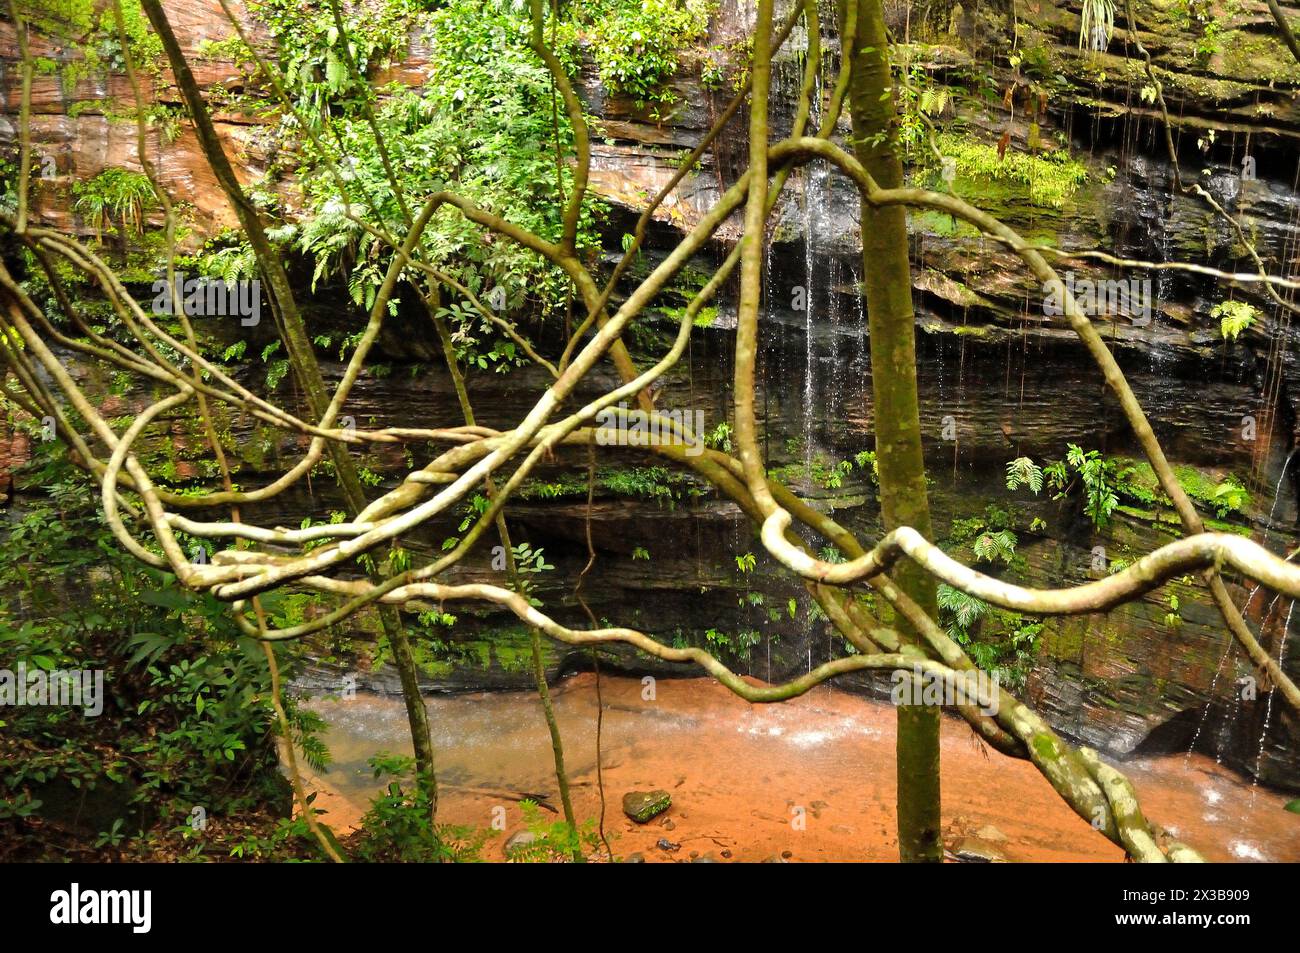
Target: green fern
{"points": [[932, 102], [230, 264], [1234, 317], [115, 197], [1022, 471], [965, 610], [990, 547]]}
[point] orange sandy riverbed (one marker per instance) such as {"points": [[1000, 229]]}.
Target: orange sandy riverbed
{"points": [[812, 778]]}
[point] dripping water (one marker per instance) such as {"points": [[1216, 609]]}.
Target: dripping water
{"points": [[1268, 705]]}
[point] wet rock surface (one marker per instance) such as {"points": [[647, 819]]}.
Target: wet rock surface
{"points": [[973, 850], [643, 806]]}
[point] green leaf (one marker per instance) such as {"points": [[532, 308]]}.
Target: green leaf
{"points": [[1022, 471], [1234, 317], [335, 71], [173, 599]]}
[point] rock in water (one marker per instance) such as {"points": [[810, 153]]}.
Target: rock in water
{"points": [[991, 834], [973, 850], [641, 806], [518, 841]]}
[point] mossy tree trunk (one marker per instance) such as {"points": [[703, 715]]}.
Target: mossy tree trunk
{"points": [[891, 325], [306, 370]]}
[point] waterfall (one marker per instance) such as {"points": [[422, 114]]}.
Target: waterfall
{"points": [[1268, 706], [863, 356], [1236, 698], [1200, 727], [816, 213], [1272, 513], [1277, 492]]}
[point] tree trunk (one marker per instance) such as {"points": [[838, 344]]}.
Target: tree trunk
{"points": [[302, 360], [891, 324]]}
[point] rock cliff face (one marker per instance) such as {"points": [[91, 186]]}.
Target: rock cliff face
{"points": [[1000, 378]]}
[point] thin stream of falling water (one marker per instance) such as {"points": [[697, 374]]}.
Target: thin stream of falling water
{"points": [[815, 187], [1268, 706], [961, 392], [1271, 394], [1200, 726], [1277, 492], [859, 299], [1272, 514], [1227, 648], [776, 343], [815, 211], [1164, 284], [809, 307], [831, 384]]}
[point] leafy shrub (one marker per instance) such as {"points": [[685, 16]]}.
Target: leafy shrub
{"points": [[1000, 642], [1051, 179], [397, 826], [553, 841], [114, 198], [636, 43], [187, 718], [481, 125]]}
